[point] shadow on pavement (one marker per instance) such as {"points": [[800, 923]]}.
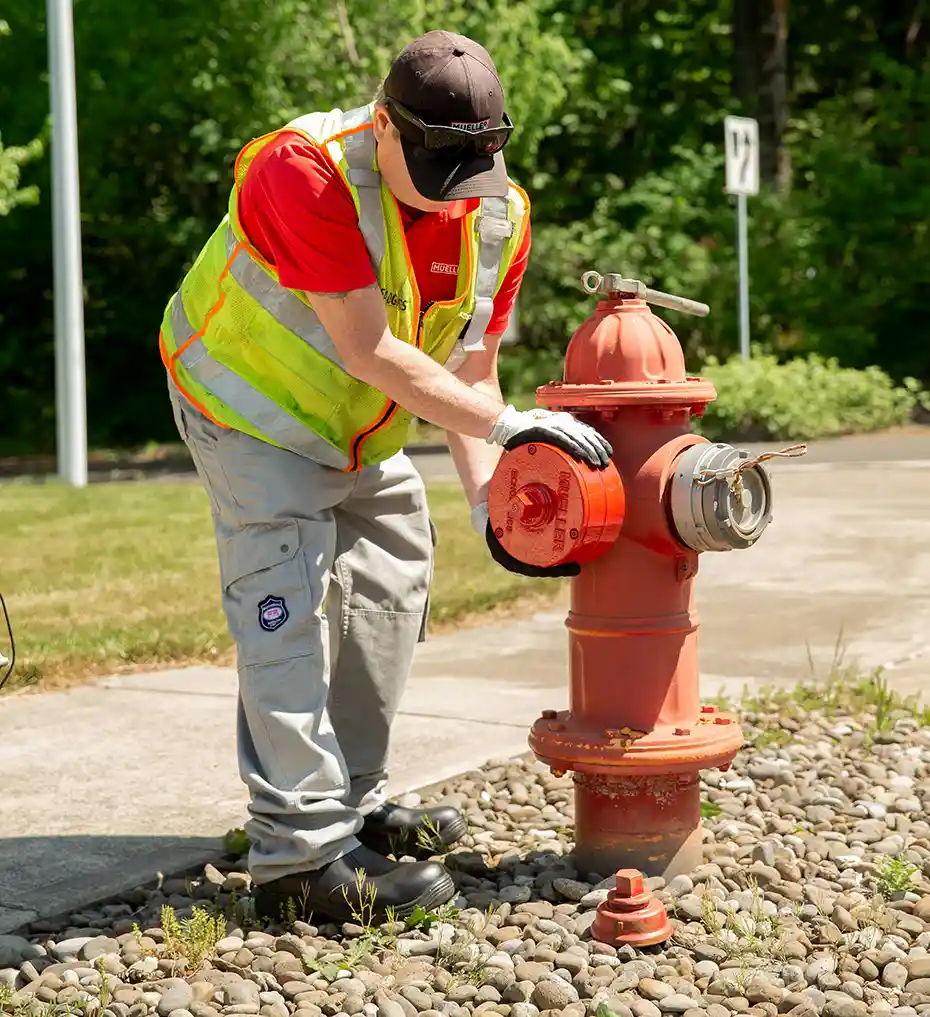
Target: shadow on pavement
{"points": [[42, 877]]}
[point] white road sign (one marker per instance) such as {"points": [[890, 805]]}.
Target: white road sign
{"points": [[742, 155]]}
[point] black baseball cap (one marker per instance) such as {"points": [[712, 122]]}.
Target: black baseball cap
{"points": [[449, 80]]}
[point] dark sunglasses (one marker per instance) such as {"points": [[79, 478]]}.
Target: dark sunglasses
{"points": [[433, 136]]}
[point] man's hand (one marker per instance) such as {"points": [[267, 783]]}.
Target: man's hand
{"points": [[560, 429]]}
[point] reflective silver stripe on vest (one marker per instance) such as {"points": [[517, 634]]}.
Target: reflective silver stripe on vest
{"points": [[494, 229], [283, 305], [263, 414], [360, 155]]}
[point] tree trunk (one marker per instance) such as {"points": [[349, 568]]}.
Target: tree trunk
{"points": [[760, 78]]}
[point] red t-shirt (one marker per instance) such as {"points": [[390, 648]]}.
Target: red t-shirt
{"points": [[297, 211]]}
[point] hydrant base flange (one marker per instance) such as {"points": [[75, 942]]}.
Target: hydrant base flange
{"points": [[565, 743]]}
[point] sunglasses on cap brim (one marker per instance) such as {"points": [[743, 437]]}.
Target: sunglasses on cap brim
{"points": [[436, 136]]}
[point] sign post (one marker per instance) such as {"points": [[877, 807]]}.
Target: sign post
{"points": [[70, 396], [741, 136]]}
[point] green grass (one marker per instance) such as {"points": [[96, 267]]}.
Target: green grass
{"points": [[895, 875], [193, 938], [844, 691], [125, 575]]}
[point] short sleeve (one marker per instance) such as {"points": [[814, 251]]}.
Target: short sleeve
{"points": [[296, 210], [510, 287]]}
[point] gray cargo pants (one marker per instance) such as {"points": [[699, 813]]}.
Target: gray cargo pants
{"points": [[325, 580]]}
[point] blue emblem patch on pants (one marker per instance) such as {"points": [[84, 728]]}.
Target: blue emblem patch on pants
{"points": [[272, 613]]}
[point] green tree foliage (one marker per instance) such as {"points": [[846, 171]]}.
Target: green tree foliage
{"points": [[12, 160], [838, 264], [619, 107], [167, 95]]}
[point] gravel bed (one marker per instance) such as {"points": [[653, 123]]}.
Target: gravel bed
{"points": [[813, 899]]}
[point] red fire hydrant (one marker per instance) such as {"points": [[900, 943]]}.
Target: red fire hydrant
{"points": [[636, 735]]}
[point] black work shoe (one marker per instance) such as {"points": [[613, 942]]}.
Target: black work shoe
{"points": [[359, 887], [394, 830]]}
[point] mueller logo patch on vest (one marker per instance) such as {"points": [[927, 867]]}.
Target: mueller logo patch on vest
{"points": [[444, 268], [272, 613], [394, 299], [481, 125]]}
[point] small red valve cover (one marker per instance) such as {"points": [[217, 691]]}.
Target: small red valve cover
{"points": [[547, 508]]}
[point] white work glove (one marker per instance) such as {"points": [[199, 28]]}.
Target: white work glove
{"points": [[479, 518], [579, 440]]}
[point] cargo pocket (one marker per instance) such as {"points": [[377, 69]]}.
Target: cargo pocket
{"points": [[434, 540], [271, 603]]}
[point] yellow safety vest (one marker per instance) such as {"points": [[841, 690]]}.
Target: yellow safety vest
{"points": [[252, 354]]}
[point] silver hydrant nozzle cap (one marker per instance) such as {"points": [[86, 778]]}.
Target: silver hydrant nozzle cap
{"points": [[721, 497]]}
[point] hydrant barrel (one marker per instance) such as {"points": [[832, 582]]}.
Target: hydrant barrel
{"points": [[635, 735]]}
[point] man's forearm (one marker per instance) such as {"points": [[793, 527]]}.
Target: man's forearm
{"points": [[426, 389], [475, 462]]}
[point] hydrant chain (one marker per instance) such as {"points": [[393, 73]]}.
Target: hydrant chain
{"points": [[734, 473]]}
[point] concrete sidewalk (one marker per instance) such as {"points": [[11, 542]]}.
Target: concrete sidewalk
{"points": [[105, 784], [155, 785]]}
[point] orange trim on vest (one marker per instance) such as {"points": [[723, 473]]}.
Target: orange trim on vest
{"points": [[209, 315], [525, 218], [171, 362], [345, 134], [172, 370], [387, 415]]}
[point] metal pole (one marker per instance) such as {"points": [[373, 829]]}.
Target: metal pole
{"points": [[743, 276], [70, 396]]}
